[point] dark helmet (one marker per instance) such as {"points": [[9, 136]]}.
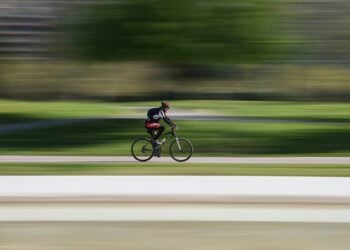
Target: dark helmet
{"points": [[165, 105]]}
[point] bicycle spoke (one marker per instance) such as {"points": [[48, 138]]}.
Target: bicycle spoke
{"points": [[181, 149], [142, 149]]}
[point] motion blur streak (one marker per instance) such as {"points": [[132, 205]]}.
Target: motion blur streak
{"points": [[278, 69], [181, 49], [172, 236], [225, 212]]}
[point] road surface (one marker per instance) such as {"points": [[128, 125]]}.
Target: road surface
{"points": [[174, 212], [249, 198]]}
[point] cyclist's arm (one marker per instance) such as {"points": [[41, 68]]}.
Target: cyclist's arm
{"points": [[167, 120]]}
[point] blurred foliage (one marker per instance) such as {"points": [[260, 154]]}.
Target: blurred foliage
{"points": [[195, 49], [53, 80], [177, 31]]}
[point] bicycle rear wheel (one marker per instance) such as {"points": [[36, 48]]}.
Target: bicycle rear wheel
{"points": [[142, 149], [181, 149]]}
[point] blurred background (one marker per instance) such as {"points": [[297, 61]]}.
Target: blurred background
{"points": [[137, 49], [243, 77], [277, 70]]}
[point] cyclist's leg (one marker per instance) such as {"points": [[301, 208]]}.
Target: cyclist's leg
{"points": [[157, 145], [160, 131], [150, 131], [152, 128]]}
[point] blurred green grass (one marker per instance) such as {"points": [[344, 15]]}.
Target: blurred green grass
{"points": [[328, 111], [12, 111], [222, 138], [174, 169], [323, 111], [328, 133]]}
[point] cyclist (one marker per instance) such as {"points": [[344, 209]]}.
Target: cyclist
{"points": [[152, 123]]}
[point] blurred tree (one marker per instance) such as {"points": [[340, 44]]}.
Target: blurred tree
{"points": [[177, 31]]}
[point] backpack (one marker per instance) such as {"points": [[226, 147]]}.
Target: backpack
{"points": [[153, 114]]}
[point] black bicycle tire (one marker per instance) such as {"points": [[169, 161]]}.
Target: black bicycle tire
{"points": [[190, 153], [133, 153]]}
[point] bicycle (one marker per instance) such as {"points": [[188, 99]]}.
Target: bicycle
{"points": [[180, 149]]}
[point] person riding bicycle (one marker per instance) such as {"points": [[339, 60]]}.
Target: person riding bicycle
{"points": [[154, 115]]}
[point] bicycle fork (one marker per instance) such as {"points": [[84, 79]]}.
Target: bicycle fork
{"points": [[178, 143]]}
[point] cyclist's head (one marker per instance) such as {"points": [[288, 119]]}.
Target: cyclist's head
{"points": [[165, 106]]}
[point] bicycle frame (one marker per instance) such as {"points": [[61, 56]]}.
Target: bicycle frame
{"points": [[167, 136]]}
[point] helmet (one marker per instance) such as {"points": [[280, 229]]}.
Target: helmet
{"points": [[165, 105]]}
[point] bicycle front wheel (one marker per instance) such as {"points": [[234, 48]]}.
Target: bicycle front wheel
{"points": [[181, 149], [142, 149]]}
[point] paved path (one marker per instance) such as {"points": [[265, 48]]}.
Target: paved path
{"points": [[129, 159], [175, 198], [181, 188]]}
